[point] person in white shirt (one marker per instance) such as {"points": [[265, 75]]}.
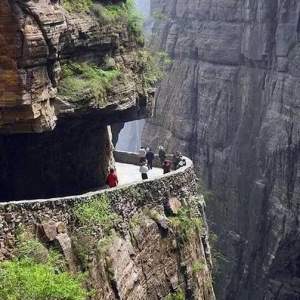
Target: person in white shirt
{"points": [[142, 155], [144, 170]]}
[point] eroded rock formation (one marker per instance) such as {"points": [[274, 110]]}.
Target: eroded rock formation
{"points": [[66, 76], [143, 245], [231, 101]]}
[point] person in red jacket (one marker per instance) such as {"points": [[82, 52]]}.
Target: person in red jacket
{"points": [[112, 178], [167, 166]]}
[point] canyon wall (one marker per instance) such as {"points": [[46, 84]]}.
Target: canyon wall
{"points": [[133, 242], [230, 101], [67, 71]]}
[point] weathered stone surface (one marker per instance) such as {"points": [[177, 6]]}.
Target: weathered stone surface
{"points": [[61, 227], [69, 160], [35, 36], [140, 262], [65, 244], [173, 205], [72, 152], [231, 101], [49, 230]]}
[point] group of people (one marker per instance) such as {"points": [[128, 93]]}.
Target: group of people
{"points": [[146, 157]]}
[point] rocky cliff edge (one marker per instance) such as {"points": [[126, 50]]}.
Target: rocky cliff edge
{"points": [[58, 59]]}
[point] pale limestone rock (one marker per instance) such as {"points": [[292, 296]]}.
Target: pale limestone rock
{"points": [[174, 205], [49, 230], [61, 227], [65, 244]]}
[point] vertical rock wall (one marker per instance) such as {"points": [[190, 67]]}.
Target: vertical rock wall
{"points": [[231, 101], [55, 143], [67, 161]]}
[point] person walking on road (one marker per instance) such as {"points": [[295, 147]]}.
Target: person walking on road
{"points": [[112, 178], [144, 170], [162, 155], [142, 155], [150, 157]]}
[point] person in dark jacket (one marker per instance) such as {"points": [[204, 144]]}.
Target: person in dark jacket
{"points": [[112, 178], [167, 166], [150, 157], [162, 155], [176, 159]]}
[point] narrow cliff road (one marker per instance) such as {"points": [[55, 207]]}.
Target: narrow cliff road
{"points": [[128, 173]]}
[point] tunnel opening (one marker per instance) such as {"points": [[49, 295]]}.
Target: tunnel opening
{"points": [[70, 160], [129, 138]]}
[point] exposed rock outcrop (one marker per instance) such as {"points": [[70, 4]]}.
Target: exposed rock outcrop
{"points": [[231, 101], [65, 75], [37, 37], [145, 253]]}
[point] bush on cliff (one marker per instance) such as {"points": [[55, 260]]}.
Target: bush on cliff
{"points": [[95, 221], [185, 224], [96, 213], [78, 5], [129, 14], [109, 14], [28, 280], [84, 82], [153, 64], [178, 295], [38, 273]]}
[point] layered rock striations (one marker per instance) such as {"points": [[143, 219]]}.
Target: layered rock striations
{"points": [[231, 101], [144, 241], [66, 73]]}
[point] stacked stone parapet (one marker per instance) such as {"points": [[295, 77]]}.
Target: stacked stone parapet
{"points": [[125, 201]]}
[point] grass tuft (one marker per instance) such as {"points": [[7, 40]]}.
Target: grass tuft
{"points": [[84, 82]]}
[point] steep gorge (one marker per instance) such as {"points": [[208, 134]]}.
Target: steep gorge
{"points": [[231, 102], [68, 70]]}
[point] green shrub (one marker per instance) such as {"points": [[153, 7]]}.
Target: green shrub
{"points": [[128, 14], [185, 224], [37, 273], [85, 82], [78, 5], [109, 14], [24, 279], [153, 64], [178, 295], [198, 266], [134, 17], [151, 213], [96, 213], [135, 221]]}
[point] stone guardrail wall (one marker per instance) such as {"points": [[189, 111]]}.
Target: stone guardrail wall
{"points": [[125, 200]]}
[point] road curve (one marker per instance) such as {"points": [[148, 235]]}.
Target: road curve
{"points": [[128, 173]]}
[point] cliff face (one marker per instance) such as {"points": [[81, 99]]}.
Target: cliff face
{"points": [[231, 101], [66, 73], [144, 241]]}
